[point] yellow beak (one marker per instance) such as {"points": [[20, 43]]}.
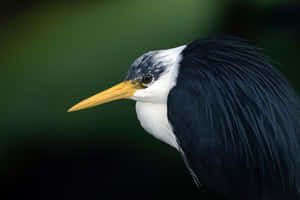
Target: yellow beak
{"points": [[120, 91]]}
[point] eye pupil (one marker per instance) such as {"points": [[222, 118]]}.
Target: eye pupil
{"points": [[147, 78]]}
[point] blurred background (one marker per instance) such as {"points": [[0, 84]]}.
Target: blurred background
{"points": [[55, 53]]}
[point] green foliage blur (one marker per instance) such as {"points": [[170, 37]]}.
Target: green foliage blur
{"points": [[55, 54]]}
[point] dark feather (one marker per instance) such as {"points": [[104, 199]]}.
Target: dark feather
{"points": [[237, 120]]}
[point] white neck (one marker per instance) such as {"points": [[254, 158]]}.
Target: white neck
{"points": [[151, 106], [153, 118]]}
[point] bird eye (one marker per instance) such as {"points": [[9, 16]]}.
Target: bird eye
{"points": [[147, 79]]}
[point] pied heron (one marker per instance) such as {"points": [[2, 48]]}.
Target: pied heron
{"points": [[225, 108]]}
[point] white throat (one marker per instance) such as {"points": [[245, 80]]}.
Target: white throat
{"points": [[153, 118], [151, 106]]}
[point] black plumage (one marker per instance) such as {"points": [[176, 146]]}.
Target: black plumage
{"points": [[239, 127]]}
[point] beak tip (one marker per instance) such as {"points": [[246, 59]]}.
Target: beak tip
{"points": [[71, 110]]}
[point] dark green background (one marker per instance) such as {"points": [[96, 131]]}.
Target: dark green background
{"points": [[54, 54]]}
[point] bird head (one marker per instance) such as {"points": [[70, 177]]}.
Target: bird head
{"points": [[149, 79]]}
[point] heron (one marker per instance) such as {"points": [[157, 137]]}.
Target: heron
{"points": [[228, 111]]}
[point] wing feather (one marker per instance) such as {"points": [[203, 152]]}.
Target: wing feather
{"points": [[237, 120]]}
